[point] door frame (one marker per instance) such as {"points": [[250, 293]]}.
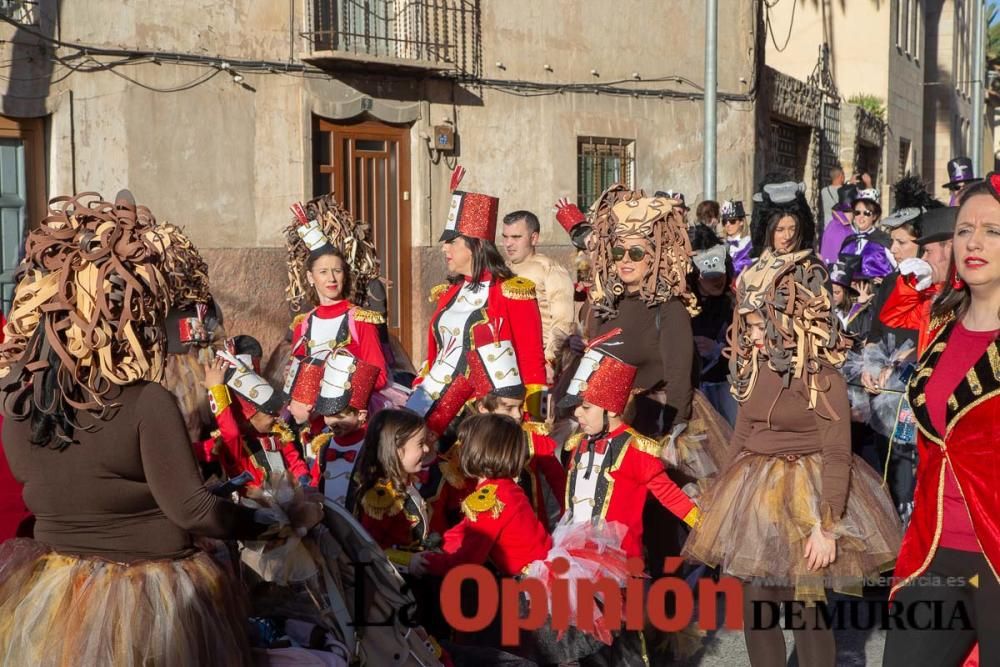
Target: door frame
{"points": [[32, 132], [368, 128]]}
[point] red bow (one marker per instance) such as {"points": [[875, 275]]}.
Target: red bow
{"points": [[600, 446], [347, 455]]}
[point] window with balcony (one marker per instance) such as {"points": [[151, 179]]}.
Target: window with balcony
{"points": [[411, 34], [600, 163]]}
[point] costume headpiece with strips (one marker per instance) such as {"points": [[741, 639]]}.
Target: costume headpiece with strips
{"points": [[492, 362], [620, 214], [471, 214], [601, 379], [801, 332], [319, 223]]}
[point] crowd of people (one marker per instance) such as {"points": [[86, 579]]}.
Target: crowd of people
{"points": [[802, 407]]}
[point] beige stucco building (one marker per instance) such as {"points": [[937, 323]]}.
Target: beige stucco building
{"points": [[219, 116]]}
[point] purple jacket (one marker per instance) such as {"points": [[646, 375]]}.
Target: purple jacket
{"points": [[837, 230], [739, 252]]}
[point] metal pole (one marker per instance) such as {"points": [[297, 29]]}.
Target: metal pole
{"points": [[711, 84], [978, 74]]}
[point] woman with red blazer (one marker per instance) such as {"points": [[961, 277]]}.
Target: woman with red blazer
{"points": [[954, 534]]}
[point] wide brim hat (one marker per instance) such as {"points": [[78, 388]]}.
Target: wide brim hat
{"points": [[937, 224], [901, 217], [961, 172]]}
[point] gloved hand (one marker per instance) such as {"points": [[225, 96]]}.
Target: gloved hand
{"points": [[919, 269]]}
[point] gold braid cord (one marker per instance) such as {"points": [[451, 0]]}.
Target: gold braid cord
{"points": [[184, 268], [349, 236], [621, 214], [88, 309], [801, 332]]}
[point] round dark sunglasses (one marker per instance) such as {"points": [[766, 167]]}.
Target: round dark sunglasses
{"points": [[635, 253], [867, 214]]}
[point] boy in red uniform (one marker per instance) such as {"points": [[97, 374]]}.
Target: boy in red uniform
{"points": [[499, 390], [250, 437]]}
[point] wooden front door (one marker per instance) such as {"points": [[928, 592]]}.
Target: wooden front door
{"points": [[366, 165]]}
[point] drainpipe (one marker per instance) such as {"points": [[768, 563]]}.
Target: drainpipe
{"points": [[711, 85], [978, 74]]}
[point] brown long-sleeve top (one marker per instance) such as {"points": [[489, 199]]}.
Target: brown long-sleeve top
{"points": [[127, 491], [777, 421], [659, 342]]}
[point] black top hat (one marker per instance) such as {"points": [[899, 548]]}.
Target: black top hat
{"points": [[937, 224], [733, 210], [960, 172], [846, 194], [840, 274]]}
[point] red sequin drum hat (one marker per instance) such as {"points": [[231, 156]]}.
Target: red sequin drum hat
{"points": [[347, 382], [493, 364], [303, 379], [601, 379], [471, 214]]}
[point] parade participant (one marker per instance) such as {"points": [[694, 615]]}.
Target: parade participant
{"points": [[498, 390], [961, 174], [480, 287], [734, 225], [678, 197], [868, 244], [553, 286], [712, 280], [921, 278], [113, 572], [792, 505], [842, 292], [251, 437], [953, 532], [707, 214], [330, 263], [838, 226], [15, 519], [501, 527], [388, 503], [343, 403], [782, 221]]}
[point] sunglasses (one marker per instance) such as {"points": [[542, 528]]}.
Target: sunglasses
{"points": [[866, 213], [635, 253]]}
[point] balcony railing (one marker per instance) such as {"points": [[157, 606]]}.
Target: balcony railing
{"points": [[441, 35]]}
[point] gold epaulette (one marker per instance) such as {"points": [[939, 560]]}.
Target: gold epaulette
{"points": [[541, 428], [368, 316], [297, 320], [482, 500], [450, 468], [316, 444], [218, 399], [644, 444], [382, 500], [518, 288], [437, 291], [573, 441], [284, 433]]}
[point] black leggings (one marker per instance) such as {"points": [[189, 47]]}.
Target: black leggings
{"points": [[814, 645], [980, 599]]}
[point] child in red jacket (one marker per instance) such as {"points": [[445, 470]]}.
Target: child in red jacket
{"points": [[250, 438]]}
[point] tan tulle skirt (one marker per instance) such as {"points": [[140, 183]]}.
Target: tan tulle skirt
{"points": [[62, 611], [701, 451], [757, 517]]}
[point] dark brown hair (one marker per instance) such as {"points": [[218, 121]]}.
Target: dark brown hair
{"points": [[707, 210], [329, 250], [387, 434], [485, 257], [493, 446], [951, 300], [772, 224], [491, 401]]}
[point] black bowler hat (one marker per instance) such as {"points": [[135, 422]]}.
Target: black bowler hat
{"points": [[846, 194], [937, 224], [960, 172]]}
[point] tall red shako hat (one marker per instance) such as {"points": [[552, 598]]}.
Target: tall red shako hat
{"points": [[347, 382], [471, 214], [601, 378], [493, 364], [303, 378]]}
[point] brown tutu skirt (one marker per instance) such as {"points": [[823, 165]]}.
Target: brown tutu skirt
{"points": [[701, 450], [58, 610], [757, 517]]}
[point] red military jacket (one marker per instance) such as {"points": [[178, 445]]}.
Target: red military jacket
{"points": [[499, 525], [907, 308], [631, 468], [394, 517], [511, 303], [543, 465], [237, 453], [357, 333], [445, 488], [968, 446]]}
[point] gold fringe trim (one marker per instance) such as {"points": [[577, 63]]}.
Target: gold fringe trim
{"points": [[368, 316], [518, 288], [437, 291], [483, 500], [382, 500]]}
